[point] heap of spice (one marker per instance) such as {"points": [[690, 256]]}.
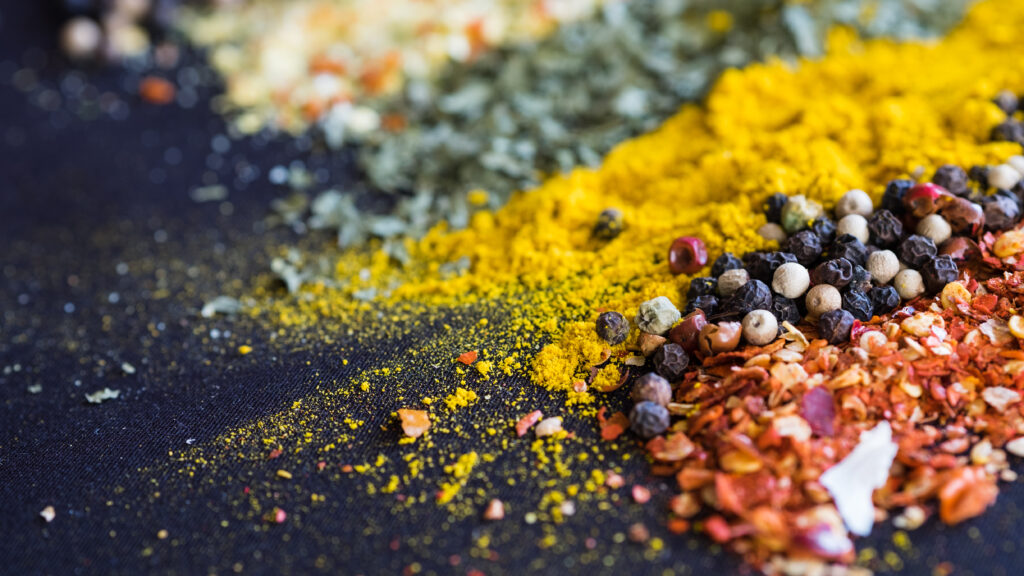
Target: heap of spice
{"points": [[865, 115]]}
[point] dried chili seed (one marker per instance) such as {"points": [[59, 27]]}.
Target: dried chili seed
{"points": [[849, 247], [706, 304], [648, 419], [838, 272], [671, 361], [884, 299], [916, 250], [609, 224], [704, 286], [825, 228], [835, 326], [938, 272], [773, 207], [754, 295], [652, 388], [952, 178], [806, 246], [727, 261], [892, 199], [785, 310], [762, 265], [859, 304], [885, 229], [612, 327], [687, 255]]}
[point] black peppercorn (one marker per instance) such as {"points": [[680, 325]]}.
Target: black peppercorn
{"points": [[892, 199], [849, 247], [785, 310], [806, 246], [704, 286], [671, 361], [885, 228], [860, 279], [727, 261], [754, 295], [609, 224], [612, 327], [648, 419], [1008, 131], [1001, 212], [835, 326], [979, 174], [838, 272], [857, 303], [952, 178], [773, 207], [884, 299], [939, 271], [1007, 102], [916, 250], [706, 304], [762, 265], [825, 228]]}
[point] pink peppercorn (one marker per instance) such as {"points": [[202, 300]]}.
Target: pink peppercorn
{"points": [[922, 199], [687, 255]]}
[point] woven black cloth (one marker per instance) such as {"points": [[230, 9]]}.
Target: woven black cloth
{"points": [[105, 260]]}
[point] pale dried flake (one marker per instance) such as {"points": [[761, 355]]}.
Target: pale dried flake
{"points": [[101, 396], [785, 355], [127, 368], [913, 390], [641, 495], [997, 331], [788, 373], [1000, 398], [793, 427], [1008, 475], [414, 422], [614, 480], [677, 447], [35, 388], [568, 508], [852, 376], [922, 324], [981, 452], [1015, 447], [678, 409], [780, 566], [48, 514], [635, 361], [495, 510], [221, 305], [1013, 366], [549, 427], [761, 360], [912, 518], [852, 481], [913, 350]]}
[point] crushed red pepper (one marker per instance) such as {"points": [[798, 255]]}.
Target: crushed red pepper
{"points": [[754, 429]]}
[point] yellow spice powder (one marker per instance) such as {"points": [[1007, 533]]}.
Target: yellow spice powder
{"points": [[866, 113]]}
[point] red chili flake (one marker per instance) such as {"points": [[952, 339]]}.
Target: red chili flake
{"points": [[614, 427], [818, 407], [641, 495], [467, 358], [156, 90], [718, 529], [321, 465], [528, 421], [276, 452]]}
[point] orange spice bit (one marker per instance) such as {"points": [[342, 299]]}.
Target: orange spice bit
{"points": [[641, 495], [528, 421], [967, 494], [495, 510], [614, 426], [275, 453], [467, 358], [414, 422], [157, 90]]}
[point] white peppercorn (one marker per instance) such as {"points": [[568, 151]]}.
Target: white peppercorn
{"points": [[1017, 162], [854, 202], [81, 38], [772, 232], [823, 298], [883, 265], [934, 227], [909, 284], [731, 280], [855, 225], [656, 316], [760, 327], [1003, 176], [791, 280]]}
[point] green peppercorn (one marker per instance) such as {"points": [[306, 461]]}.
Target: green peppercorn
{"points": [[798, 213]]}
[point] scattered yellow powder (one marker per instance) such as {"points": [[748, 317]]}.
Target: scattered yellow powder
{"points": [[460, 399], [244, 349]]}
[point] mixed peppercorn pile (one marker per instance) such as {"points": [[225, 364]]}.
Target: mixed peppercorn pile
{"points": [[880, 371]]}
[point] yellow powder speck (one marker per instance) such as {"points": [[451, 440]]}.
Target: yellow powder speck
{"points": [[484, 368], [460, 399], [284, 474], [720, 21], [244, 349]]}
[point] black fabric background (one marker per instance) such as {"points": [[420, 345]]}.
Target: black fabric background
{"points": [[76, 198]]}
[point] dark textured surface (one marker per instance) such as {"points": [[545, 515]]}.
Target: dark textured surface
{"points": [[79, 197]]}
